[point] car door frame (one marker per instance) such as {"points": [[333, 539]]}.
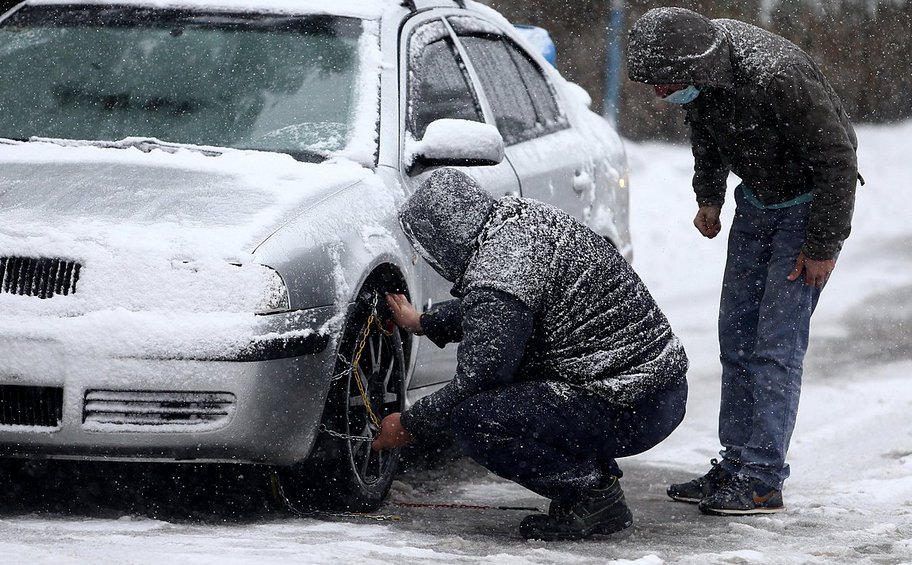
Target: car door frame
{"points": [[435, 366], [567, 178], [595, 186]]}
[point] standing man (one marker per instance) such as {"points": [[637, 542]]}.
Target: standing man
{"points": [[565, 361], [759, 107]]}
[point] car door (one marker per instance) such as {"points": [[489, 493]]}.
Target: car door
{"points": [[546, 153], [434, 84]]}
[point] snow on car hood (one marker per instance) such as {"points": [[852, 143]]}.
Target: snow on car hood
{"points": [[164, 241]]}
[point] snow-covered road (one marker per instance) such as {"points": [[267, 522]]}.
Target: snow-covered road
{"points": [[849, 499]]}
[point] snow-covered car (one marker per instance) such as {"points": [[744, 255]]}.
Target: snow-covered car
{"points": [[198, 223]]}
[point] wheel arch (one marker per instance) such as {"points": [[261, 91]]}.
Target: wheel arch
{"points": [[385, 275]]}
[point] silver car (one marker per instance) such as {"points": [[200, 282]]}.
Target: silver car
{"points": [[198, 224]]}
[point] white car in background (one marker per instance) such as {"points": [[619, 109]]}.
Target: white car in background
{"points": [[198, 206]]}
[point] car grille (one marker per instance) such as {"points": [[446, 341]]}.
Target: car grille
{"points": [[39, 277], [31, 406], [166, 411]]}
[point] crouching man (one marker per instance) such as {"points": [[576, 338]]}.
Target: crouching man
{"points": [[565, 361]]}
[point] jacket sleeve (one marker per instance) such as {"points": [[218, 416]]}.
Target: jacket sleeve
{"points": [[496, 328], [809, 113], [710, 171], [443, 323]]}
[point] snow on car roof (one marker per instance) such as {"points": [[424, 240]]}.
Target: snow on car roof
{"points": [[355, 8]]}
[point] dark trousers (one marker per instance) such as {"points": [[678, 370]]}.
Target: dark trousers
{"points": [[560, 441]]}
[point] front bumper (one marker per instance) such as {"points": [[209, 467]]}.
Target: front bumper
{"points": [[261, 403]]}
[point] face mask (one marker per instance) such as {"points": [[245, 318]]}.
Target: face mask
{"points": [[683, 96]]}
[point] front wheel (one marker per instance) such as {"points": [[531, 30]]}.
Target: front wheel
{"points": [[344, 473]]}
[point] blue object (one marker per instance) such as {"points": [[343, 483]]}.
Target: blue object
{"points": [[801, 199], [683, 96], [613, 65], [764, 322], [541, 40]]}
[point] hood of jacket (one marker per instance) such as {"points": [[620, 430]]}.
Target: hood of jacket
{"points": [[443, 219], [679, 46]]}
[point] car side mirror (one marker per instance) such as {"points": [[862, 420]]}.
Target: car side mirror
{"points": [[456, 143]]}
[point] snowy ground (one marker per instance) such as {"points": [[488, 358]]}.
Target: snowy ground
{"points": [[849, 499]]}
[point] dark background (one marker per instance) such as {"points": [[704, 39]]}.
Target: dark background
{"points": [[863, 46]]}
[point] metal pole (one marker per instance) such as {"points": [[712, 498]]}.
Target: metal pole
{"points": [[613, 64]]}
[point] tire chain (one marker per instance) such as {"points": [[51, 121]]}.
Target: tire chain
{"points": [[279, 493], [353, 369], [340, 435]]}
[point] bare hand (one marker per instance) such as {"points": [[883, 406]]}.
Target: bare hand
{"points": [[707, 221], [816, 272], [392, 435], [404, 314]]}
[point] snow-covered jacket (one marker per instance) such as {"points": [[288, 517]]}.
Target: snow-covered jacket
{"points": [[541, 297], [765, 112]]}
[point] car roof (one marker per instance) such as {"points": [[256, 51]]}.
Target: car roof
{"points": [[365, 9]]}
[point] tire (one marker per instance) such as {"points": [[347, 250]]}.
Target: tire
{"points": [[344, 473]]}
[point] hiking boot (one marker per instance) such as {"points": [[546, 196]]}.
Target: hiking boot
{"points": [[603, 511], [696, 490], [743, 495], [559, 508]]}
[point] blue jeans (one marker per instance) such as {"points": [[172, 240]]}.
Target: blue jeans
{"points": [[560, 441], [764, 321]]}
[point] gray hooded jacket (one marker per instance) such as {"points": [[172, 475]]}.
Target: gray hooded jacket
{"points": [[765, 112], [542, 298]]}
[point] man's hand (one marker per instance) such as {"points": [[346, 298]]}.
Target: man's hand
{"points": [[816, 272], [392, 434], [404, 314], [707, 221]]}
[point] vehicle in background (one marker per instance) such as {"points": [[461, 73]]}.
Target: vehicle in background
{"points": [[198, 220]]}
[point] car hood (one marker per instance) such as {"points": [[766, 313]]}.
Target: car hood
{"points": [[149, 231], [186, 205]]}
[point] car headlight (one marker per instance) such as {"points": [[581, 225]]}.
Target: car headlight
{"points": [[216, 286], [275, 295]]}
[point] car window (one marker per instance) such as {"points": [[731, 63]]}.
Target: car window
{"points": [[549, 114], [438, 86], [106, 73], [520, 96], [504, 87]]}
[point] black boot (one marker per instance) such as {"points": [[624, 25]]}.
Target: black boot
{"points": [[696, 490], [602, 511]]}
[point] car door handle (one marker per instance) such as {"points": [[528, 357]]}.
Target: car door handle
{"points": [[580, 182]]}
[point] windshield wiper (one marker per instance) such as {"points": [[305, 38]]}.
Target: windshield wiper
{"points": [[147, 144], [144, 144], [306, 156], [303, 155]]}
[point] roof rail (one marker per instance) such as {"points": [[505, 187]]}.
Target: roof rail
{"points": [[415, 5]]}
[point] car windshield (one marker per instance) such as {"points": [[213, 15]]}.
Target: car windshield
{"points": [[252, 81]]}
